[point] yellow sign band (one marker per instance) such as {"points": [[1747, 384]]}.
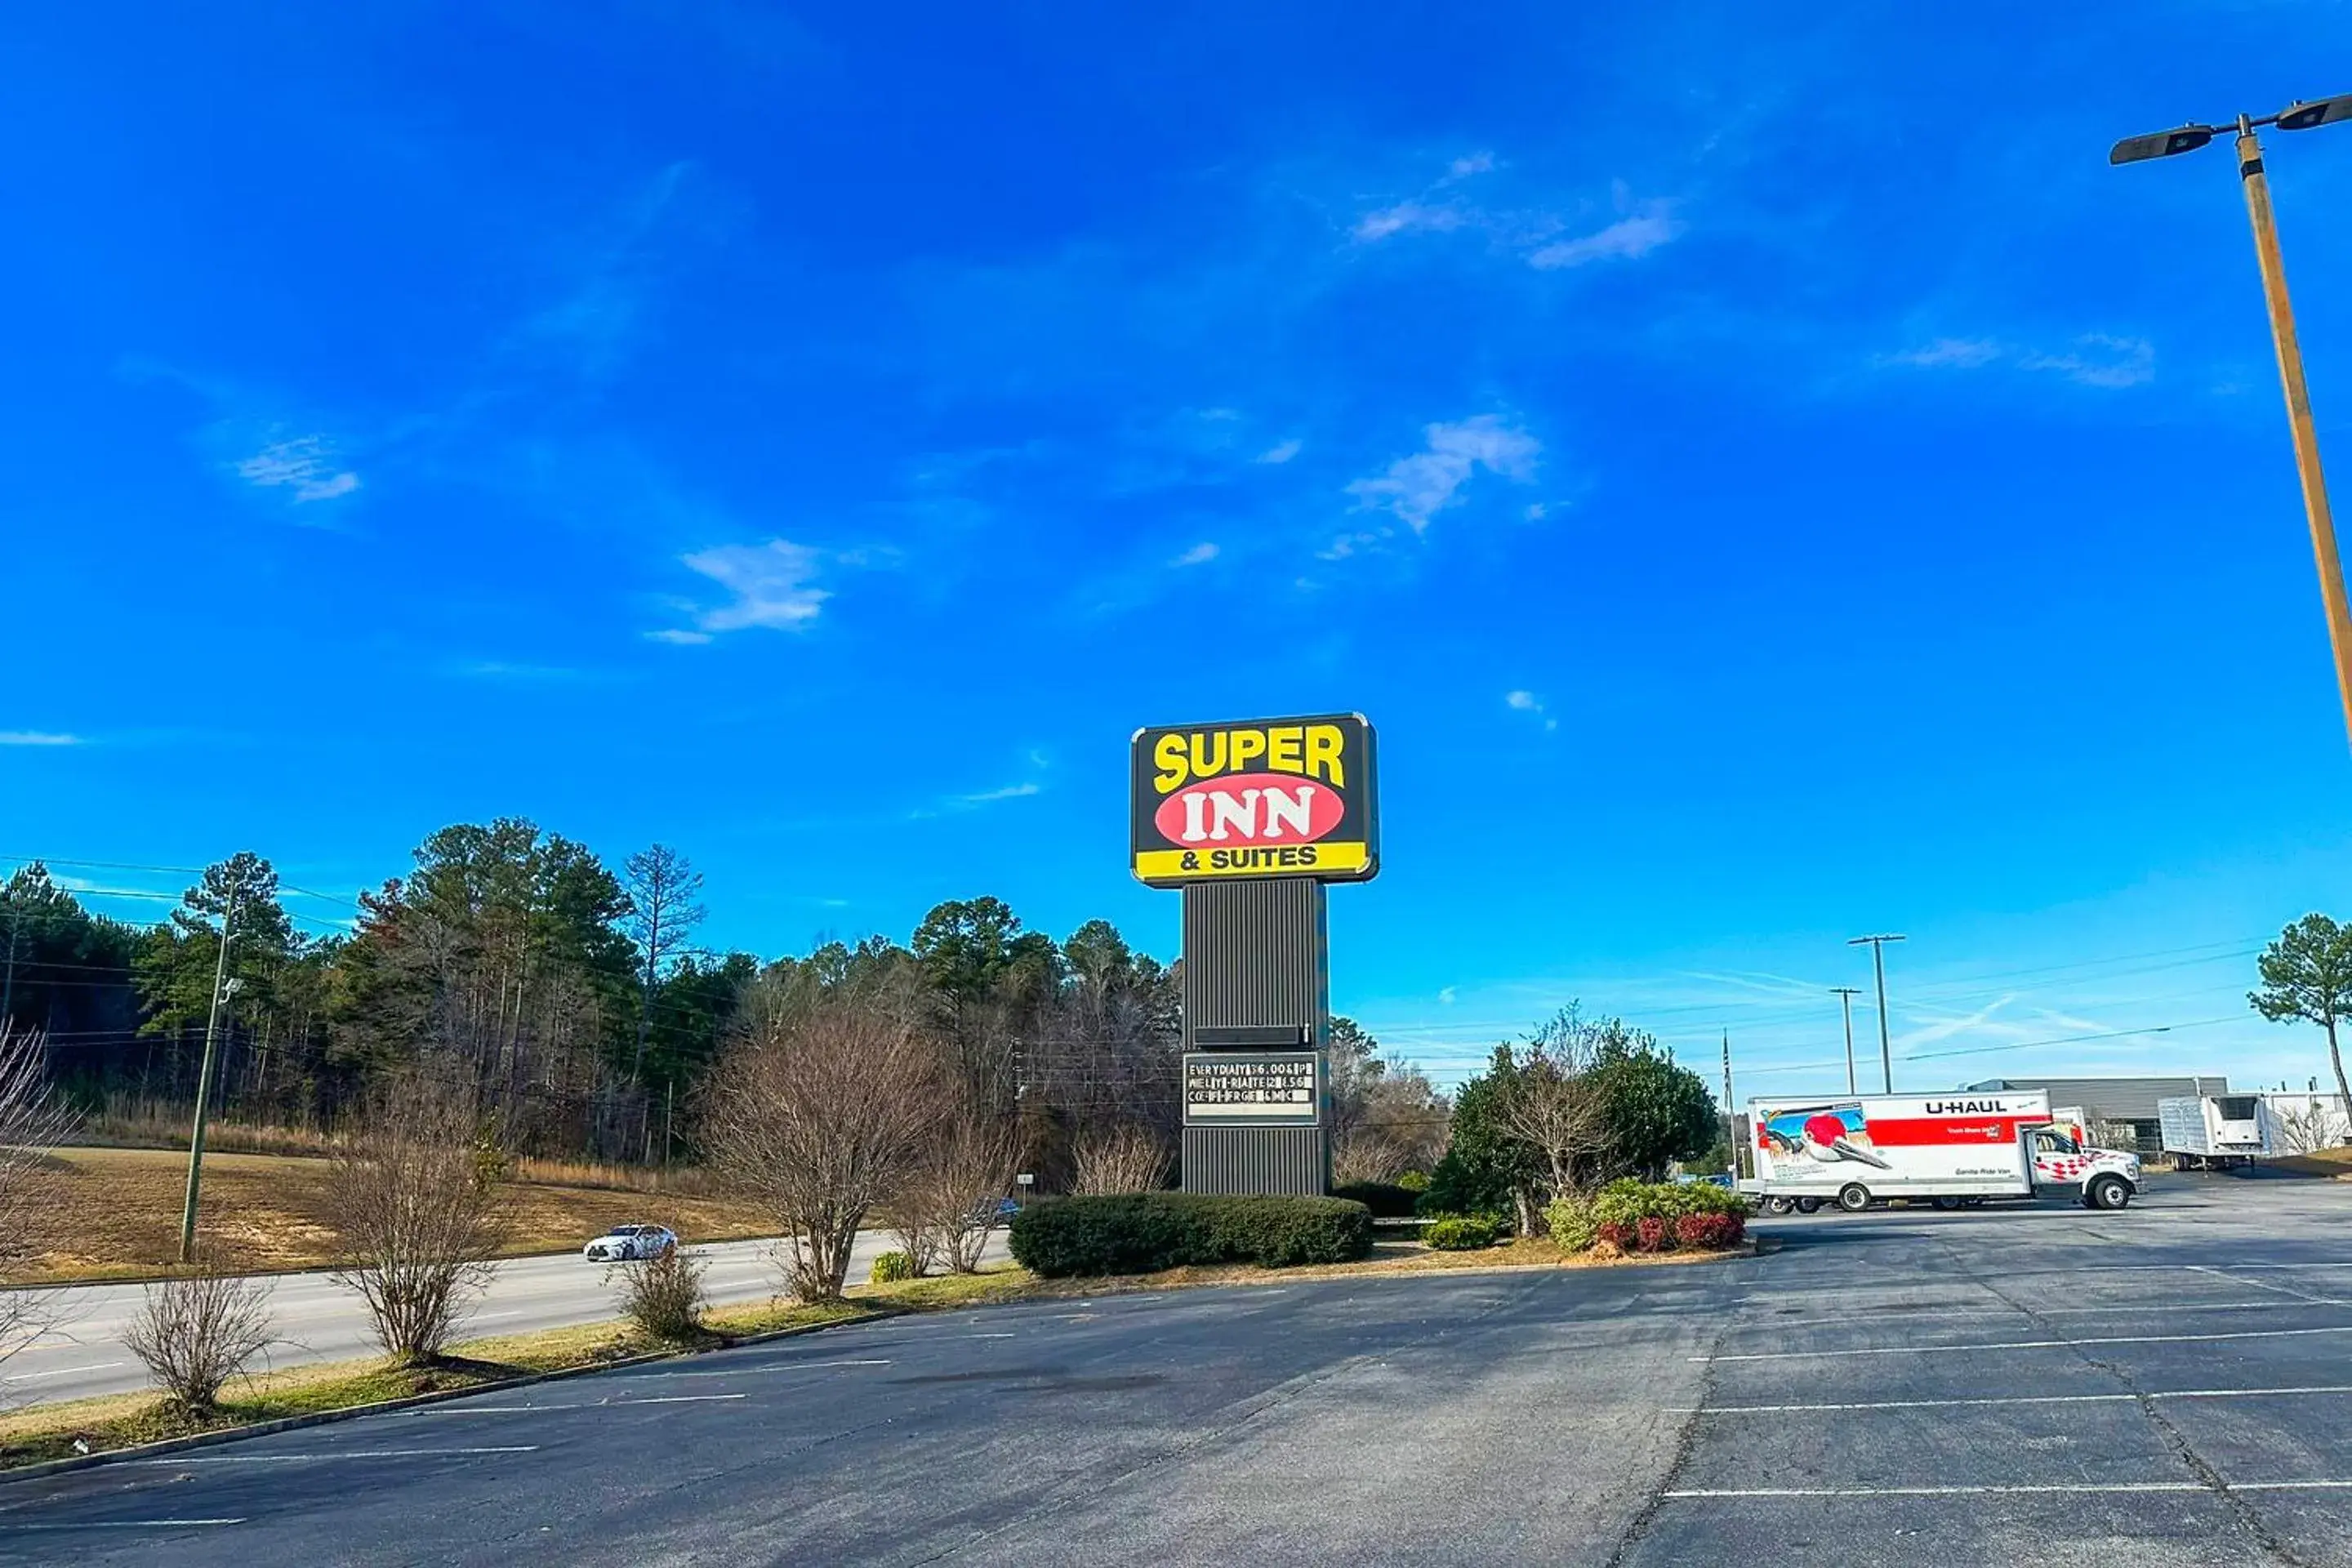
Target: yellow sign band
{"points": [[1323, 859]]}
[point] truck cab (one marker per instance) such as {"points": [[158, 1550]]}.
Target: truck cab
{"points": [[2104, 1178]]}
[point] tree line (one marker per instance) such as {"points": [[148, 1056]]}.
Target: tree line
{"points": [[574, 1000]]}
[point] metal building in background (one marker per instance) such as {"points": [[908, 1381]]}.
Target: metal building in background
{"points": [[1252, 820]]}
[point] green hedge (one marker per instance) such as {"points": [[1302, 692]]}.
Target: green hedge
{"points": [[1140, 1232], [889, 1267], [1459, 1232], [1617, 1212], [1386, 1200]]}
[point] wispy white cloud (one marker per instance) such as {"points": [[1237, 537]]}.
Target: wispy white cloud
{"points": [[1528, 702], [1281, 451], [1648, 227], [1446, 997], [1410, 217], [773, 587], [1417, 488], [1958, 354], [2099, 360], [505, 669], [307, 463], [39, 738], [2093, 359], [1009, 792], [1200, 555], [1470, 164]]}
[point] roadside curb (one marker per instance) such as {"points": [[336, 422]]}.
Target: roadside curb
{"points": [[383, 1407], [306, 1271]]}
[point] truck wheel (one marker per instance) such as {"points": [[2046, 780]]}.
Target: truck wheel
{"points": [[2107, 1193], [1946, 1204], [1809, 1205], [1778, 1205], [1854, 1197]]}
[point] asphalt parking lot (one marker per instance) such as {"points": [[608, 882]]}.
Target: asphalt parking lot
{"points": [[2172, 1384]]}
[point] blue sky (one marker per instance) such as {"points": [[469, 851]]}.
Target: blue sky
{"points": [[1765, 476]]}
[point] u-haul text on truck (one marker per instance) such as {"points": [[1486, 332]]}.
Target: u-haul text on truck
{"points": [[1262, 797], [1949, 1148]]}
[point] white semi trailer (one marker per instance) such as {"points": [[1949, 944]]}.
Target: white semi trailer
{"points": [[2202, 1131]]}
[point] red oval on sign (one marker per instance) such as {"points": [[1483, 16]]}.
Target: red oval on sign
{"points": [[1249, 808]]}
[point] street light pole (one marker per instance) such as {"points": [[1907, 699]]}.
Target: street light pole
{"points": [[2297, 116], [1845, 994], [1878, 967], [2298, 408], [204, 1084]]}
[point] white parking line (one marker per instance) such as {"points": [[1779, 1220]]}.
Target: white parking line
{"points": [[126, 1524], [2280, 1289], [327, 1457], [2014, 1399], [2027, 1344], [2023, 1490], [576, 1404], [993, 1336], [754, 1371]]}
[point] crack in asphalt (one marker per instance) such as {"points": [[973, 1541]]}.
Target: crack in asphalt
{"points": [[2272, 1545], [1686, 1439]]}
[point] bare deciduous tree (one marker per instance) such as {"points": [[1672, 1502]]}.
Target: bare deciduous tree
{"points": [[820, 1110], [419, 1214], [964, 1174], [195, 1332], [663, 887], [2312, 1128], [30, 1122], [1118, 1157], [1551, 1103]]}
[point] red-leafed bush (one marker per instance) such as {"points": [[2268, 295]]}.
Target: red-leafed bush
{"points": [[1650, 1233], [1710, 1232], [1617, 1235]]}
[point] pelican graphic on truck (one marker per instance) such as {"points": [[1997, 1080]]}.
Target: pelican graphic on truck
{"points": [[1949, 1150]]}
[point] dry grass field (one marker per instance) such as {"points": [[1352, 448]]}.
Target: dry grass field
{"points": [[115, 1213]]}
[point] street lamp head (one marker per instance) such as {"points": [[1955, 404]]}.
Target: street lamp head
{"points": [[2161, 144], [2301, 116]]}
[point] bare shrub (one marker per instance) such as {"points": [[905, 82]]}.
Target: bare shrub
{"points": [[419, 1220], [964, 1174], [196, 1331], [2313, 1129], [820, 1111], [1118, 1157], [30, 1123], [662, 1295], [916, 1233]]}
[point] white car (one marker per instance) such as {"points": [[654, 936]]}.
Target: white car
{"points": [[624, 1242]]}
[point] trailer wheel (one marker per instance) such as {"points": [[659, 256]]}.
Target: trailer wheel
{"points": [[1947, 1205], [2107, 1193], [1809, 1205], [1854, 1197]]}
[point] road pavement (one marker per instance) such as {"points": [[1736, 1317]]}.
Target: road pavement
{"points": [[81, 1352], [2172, 1384]]}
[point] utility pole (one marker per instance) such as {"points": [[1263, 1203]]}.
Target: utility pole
{"points": [[1878, 966], [1846, 995], [204, 1083], [1731, 1115]]}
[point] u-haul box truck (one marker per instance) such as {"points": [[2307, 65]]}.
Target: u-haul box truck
{"points": [[1949, 1148]]}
